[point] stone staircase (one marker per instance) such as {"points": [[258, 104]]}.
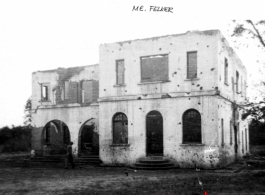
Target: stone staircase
{"points": [[153, 163], [57, 161]]}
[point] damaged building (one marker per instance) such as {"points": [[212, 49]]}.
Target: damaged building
{"points": [[176, 97]]}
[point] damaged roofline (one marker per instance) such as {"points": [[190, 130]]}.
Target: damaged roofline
{"points": [[60, 68], [206, 32]]}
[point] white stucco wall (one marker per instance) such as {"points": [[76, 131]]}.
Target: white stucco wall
{"points": [[171, 110], [176, 46], [73, 116]]}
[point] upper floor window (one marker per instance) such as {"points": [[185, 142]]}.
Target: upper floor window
{"points": [[90, 91], [192, 65], [226, 71], [66, 90], [192, 126], [44, 92], [237, 82], [120, 128], [154, 68], [120, 70]]}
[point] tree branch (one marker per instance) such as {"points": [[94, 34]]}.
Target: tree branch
{"points": [[258, 34]]}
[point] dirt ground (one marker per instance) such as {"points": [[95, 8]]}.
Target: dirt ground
{"points": [[100, 180]]}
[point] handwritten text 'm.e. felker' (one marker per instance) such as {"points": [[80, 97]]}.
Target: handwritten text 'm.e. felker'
{"points": [[153, 8]]}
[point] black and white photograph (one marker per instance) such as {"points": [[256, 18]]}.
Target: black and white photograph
{"points": [[115, 97]]}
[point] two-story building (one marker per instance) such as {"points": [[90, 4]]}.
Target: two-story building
{"points": [[175, 96]]}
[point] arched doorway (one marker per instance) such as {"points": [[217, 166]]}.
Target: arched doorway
{"points": [[154, 134], [89, 138], [56, 137]]}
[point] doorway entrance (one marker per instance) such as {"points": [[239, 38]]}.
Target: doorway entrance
{"points": [[89, 139], [154, 134]]}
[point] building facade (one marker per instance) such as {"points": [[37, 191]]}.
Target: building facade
{"points": [[175, 96]]}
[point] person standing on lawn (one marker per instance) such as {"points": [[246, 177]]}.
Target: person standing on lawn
{"points": [[69, 156]]}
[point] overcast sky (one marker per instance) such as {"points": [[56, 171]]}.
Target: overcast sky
{"points": [[47, 34]]}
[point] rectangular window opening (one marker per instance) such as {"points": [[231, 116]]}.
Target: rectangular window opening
{"points": [[222, 129], [66, 89], [191, 65], [44, 92], [237, 82], [226, 71], [154, 68], [120, 70]]}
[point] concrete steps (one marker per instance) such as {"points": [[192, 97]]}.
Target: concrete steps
{"points": [[153, 163]]}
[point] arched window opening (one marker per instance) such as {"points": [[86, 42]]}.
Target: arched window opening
{"points": [[192, 127], [120, 129]]}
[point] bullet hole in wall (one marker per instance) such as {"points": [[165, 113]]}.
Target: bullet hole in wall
{"points": [[207, 45], [140, 108], [201, 72], [193, 84], [139, 98], [212, 69], [201, 88], [189, 98], [198, 85], [160, 49], [125, 90], [199, 103], [104, 89]]}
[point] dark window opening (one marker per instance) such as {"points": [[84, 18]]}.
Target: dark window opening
{"points": [[191, 65], [120, 70], [237, 82], [192, 127], [222, 129], [154, 68], [120, 129], [226, 71]]}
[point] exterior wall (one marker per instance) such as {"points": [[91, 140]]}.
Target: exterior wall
{"points": [[73, 116], [74, 112], [172, 109], [207, 93], [234, 64], [228, 108], [176, 46], [56, 85]]}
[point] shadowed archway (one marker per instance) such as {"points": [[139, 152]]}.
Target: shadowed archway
{"points": [[55, 138], [88, 141]]}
